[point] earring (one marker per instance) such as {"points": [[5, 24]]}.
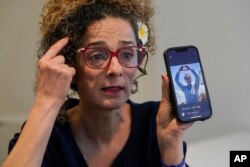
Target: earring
{"points": [[135, 87]]}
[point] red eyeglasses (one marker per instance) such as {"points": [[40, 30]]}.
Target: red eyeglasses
{"points": [[99, 58]]}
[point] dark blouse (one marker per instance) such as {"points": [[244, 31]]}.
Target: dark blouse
{"points": [[141, 149]]}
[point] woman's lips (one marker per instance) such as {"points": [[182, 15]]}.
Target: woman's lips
{"points": [[112, 90]]}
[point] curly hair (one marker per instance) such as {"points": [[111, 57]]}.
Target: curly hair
{"points": [[71, 18]]}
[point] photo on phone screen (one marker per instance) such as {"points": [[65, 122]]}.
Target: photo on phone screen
{"points": [[188, 83]]}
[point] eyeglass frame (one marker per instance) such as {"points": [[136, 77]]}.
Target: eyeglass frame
{"points": [[113, 54]]}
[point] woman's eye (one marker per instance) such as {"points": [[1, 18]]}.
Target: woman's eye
{"points": [[127, 55], [98, 56]]}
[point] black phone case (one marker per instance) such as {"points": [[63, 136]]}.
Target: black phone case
{"points": [[172, 91]]}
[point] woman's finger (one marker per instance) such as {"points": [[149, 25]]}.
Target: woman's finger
{"points": [[56, 48], [58, 60], [165, 88]]}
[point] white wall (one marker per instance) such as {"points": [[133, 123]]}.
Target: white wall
{"points": [[18, 37], [219, 28], [221, 31]]}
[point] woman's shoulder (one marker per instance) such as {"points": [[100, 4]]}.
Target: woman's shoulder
{"points": [[150, 106], [144, 112]]}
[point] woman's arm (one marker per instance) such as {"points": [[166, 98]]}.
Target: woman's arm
{"points": [[169, 130], [53, 82]]}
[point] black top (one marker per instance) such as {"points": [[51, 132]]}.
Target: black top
{"points": [[141, 149]]}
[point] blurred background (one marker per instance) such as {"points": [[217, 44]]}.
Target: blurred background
{"points": [[220, 30]]}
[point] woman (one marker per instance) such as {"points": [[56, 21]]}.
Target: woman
{"points": [[93, 47]]}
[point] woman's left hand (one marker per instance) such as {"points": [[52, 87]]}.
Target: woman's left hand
{"points": [[169, 130]]}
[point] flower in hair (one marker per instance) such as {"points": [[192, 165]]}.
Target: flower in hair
{"points": [[143, 32]]}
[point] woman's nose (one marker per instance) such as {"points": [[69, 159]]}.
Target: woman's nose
{"points": [[115, 68]]}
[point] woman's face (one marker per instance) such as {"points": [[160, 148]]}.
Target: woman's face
{"points": [[110, 87], [188, 78]]}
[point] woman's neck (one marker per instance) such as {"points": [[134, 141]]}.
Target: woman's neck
{"points": [[98, 126]]}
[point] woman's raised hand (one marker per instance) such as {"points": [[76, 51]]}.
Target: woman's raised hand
{"points": [[169, 130], [54, 76]]}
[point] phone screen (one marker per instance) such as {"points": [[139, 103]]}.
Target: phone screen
{"points": [[188, 83]]}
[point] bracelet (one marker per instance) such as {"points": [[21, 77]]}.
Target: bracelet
{"points": [[179, 165]]}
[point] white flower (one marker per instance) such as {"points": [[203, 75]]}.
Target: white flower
{"points": [[143, 32]]}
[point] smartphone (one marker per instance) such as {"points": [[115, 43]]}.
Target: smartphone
{"points": [[188, 87]]}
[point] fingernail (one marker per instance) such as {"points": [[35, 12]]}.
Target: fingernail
{"points": [[162, 75]]}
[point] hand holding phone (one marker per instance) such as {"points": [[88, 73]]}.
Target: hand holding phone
{"points": [[188, 87]]}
